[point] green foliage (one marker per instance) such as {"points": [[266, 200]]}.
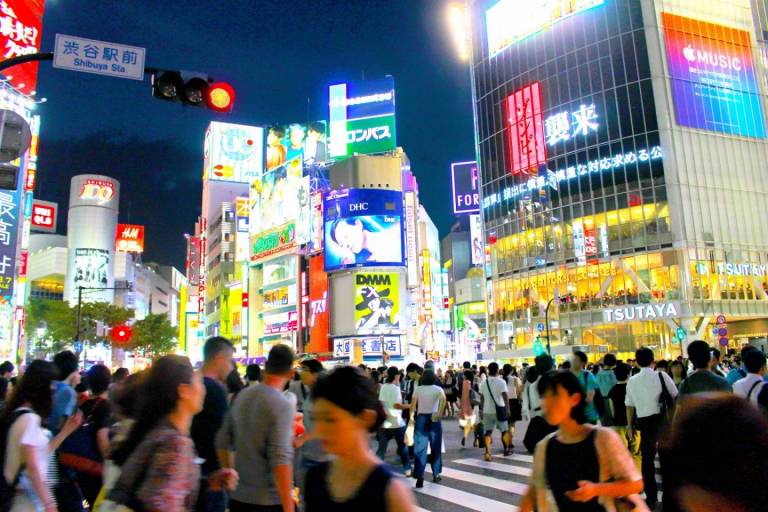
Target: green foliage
{"points": [[154, 336]]}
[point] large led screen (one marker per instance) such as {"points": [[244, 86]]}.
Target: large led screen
{"points": [[233, 152], [284, 143], [363, 227], [377, 303], [713, 79], [362, 116]]}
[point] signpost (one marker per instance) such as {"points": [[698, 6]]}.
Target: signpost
{"points": [[99, 57]]}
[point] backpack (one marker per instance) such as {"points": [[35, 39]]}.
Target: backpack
{"points": [[8, 489], [80, 451]]}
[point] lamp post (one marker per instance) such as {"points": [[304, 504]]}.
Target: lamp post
{"points": [[546, 322]]}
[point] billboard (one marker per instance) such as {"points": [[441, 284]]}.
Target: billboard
{"points": [[318, 306], [242, 214], [284, 143], [316, 222], [476, 239], [281, 323], [233, 152], [510, 21], [371, 347], [276, 197], [465, 181], [363, 227], [129, 238], [377, 303], [713, 80], [91, 271], [273, 242], [22, 25], [410, 239], [96, 191], [9, 228], [193, 262], [44, 215], [362, 117], [525, 130]]}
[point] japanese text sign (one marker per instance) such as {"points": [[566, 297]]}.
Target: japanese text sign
{"points": [[527, 149], [99, 57], [21, 23], [9, 228]]}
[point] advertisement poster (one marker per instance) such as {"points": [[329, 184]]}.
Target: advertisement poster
{"points": [[284, 143], [525, 130], [363, 227], [713, 79], [579, 243], [129, 238], [233, 152], [91, 270], [279, 269], [476, 239], [316, 222], [22, 25], [362, 117], [377, 303], [303, 214], [270, 243], [410, 239], [465, 182], [276, 196], [242, 214], [318, 306]]}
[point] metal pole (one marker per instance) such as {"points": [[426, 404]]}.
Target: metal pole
{"points": [[79, 310], [546, 321]]}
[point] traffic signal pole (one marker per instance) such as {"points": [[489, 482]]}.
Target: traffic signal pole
{"points": [[43, 56], [546, 321]]}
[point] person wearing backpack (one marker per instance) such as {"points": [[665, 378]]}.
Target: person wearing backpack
{"points": [[25, 443], [750, 386], [589, 383], [581, 466]]}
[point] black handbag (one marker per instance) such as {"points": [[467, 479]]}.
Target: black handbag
{"points": [[538, 429], [501, 410]]}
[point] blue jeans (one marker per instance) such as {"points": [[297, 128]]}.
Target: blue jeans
{"points": [[427, 431], [398, 434]]}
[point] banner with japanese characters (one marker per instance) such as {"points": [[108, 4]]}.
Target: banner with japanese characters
{"points": [[21, 25], [9, 228], [371, 347]]}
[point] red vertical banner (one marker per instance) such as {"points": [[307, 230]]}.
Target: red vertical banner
{"points": [[318, 321], [527, 149]]}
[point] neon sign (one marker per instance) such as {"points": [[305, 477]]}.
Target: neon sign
{"points": [[101, 190], [554, 178], [525, 129], [564, 125]]}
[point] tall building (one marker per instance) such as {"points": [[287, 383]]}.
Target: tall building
{"points": [[622, 149]]}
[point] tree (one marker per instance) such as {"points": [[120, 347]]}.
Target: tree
{"points": [[154, 336]]}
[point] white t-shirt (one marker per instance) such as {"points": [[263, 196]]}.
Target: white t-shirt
{"points": [[26, 431], [389, 395], [512, 383], [429, 398], [497, 386]]}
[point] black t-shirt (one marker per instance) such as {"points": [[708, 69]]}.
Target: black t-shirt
{"points": [[618, 395], [98, 412], [207, 422]]}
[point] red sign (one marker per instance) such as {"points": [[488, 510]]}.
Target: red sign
{"points": [[525, 124], [23, 263], [245, 299], [44, 216], [21, 24], [129, 238], [318, 307], [590, 239]]}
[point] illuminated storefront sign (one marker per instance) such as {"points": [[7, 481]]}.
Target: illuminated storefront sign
{"points": [[410, 239], [642, 312], [554, 178], [280, 297], [736, 269], [713, 79], [362, 117], [564, 125], [233, 152], [465, 182], [21, 23], [510, 21], [273, 242], [129, 238], [525, 130], [100, 191], [372, 347], [44, 215]]}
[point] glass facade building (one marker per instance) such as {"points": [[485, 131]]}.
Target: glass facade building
{"points": [[622, 148]]}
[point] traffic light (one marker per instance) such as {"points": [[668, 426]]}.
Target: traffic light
{"points": [[122, 333], [193, 89]]}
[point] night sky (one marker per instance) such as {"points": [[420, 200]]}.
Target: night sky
{"points": [[279, 56]]}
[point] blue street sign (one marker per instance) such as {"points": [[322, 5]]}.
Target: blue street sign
{"points": [[98, 57], [78, 346], [540, 327]]}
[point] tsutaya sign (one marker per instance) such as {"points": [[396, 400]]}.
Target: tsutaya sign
{"points": [[642, 312], [742, 269]]}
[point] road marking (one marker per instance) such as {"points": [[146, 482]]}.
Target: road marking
{"points": [[486, 481], [465, 499], [516, 457], [495, 466]]}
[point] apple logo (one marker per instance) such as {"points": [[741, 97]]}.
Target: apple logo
{"points": [[689, 53]]}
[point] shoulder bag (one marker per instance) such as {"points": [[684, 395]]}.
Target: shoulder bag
{"points": [[666, 402], [501, 410]]}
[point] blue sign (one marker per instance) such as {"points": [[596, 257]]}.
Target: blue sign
{"points": [[540, 327], [98, 57], [10, 222], [363, 228]]}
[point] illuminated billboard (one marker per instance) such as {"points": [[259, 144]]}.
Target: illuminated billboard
{"points": [[44, 215], [97, 191], [465, 181], [273, 242], [129, 238], [363, 227], [362, 117], [284, 143], [525, 130], [9, 229], [276, 197], [713, 79], [233, 152], [319, 314], [377, 303], [510, 21], [476, 239], [91, 270], [316, 222], [22, 25]]}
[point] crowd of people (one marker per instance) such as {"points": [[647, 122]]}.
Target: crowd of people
{"points": [[295, 434]]}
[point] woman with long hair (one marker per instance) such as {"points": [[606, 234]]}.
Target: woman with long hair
{"points": [[26, 442], [159, 471], [469, 407], [345, 400]]}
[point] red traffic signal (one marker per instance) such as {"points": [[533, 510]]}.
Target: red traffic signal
{"points": [[220, 97], [122, 333]]}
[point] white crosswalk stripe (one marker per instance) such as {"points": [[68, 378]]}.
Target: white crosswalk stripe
{"points": [[466, 499], [495, 466]]}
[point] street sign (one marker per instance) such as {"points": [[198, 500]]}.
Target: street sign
{"points": [[98, 57], [540, 327], [724, 342], [720, 319], [78, 346]]}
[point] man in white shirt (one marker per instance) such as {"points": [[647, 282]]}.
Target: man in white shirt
{"points": [[750, 386], [494, 393], [393, 427], [643, 392]]}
